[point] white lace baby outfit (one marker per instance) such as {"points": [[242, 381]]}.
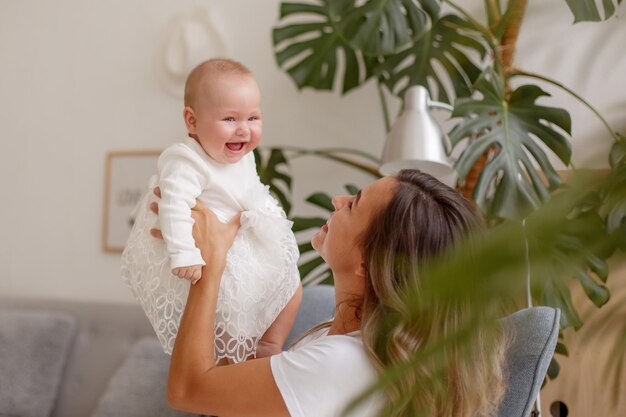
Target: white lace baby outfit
{"points": [[261, 274]]}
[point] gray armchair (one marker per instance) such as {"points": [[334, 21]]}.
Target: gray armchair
{"points": [[535, 332]]}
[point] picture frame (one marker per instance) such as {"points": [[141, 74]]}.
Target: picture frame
{"points": [[127, 175]]}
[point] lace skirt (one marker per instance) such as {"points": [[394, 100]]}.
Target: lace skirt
{"points": [[260, 278]]}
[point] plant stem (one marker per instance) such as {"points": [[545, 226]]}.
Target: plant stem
{"points": [[492, 7], [479, 26], [324, 151], [516, 72], [511, 32], [383, 104], [332, 155], [370, 169]]}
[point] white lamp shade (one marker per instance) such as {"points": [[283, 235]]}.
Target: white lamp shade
{"points": [[416, 141]]}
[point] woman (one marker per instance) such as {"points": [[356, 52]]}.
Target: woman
{"points": [[374, 243]]}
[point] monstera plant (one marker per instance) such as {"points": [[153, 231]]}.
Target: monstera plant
{"points": [[503, 132]]}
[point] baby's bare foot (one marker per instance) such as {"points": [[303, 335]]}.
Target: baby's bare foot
{"points": [[192, 273]]}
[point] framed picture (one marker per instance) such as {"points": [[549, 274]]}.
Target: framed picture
{"points": [[127, 174]]}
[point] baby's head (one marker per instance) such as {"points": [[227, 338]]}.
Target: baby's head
{"points": [[223, 109]]}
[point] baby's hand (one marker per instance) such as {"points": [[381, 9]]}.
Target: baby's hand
{"points": [[192, 273]]}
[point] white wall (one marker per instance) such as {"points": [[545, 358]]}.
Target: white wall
{"points": [[80, 78]]}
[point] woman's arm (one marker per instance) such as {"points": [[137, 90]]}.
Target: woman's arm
{"points": [[195, 383]]}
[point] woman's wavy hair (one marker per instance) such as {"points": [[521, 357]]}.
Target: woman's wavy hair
{"points": [[423, 220]]}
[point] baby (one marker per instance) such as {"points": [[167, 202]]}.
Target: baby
{"points": [[260, 289]]}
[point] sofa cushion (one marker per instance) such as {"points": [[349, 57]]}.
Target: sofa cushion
{"points": [[34, 347], [138, 387]]}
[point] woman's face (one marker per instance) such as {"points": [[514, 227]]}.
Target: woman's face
{"points": [[339, 241]]}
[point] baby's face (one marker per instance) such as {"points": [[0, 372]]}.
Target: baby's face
{"points": [[228, 117]]}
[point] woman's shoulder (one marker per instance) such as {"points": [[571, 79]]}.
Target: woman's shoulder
{"points": [[323, 373], [321, 337], [332, 352]]}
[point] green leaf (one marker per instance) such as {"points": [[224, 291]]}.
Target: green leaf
{"points": [[287, 9], [270, 169], [561, 349], [553, 369], [450, 43], [305, 247], [351, 189], [322, 200], [598, 266], [381, 27], [512, 129], [613, 208], [305, 223], [308, 267], [587, 10], [558, 295], [309, 50], [325, 277], [617, 153], [597, 293]]}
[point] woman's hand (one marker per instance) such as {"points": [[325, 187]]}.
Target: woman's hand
{"points": [[212, 237]]}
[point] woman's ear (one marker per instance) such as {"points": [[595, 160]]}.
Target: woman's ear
{"points": [[190, 120], [361, 270]]}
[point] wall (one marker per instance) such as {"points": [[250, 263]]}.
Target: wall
{"points": [[80, 78]]}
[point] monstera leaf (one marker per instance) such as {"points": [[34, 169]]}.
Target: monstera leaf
{"points": [[572, 240], [450, 43], [309, 52], [587, 10], [613, 208], [268, 165], [383, 27], [511, 127], [359, 33]]}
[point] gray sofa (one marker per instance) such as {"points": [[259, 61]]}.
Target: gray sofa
{"points": [[73, 359], [79, 359]]}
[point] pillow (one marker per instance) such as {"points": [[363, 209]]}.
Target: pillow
{"points": [[34, 348], [138, 387]]}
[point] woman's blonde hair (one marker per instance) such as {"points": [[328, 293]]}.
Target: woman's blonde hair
{"points": [[423, 220]]}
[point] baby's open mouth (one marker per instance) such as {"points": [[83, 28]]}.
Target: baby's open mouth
{"points": [[235, 146]]}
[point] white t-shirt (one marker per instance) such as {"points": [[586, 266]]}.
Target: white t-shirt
{"points": [[321, 375]]}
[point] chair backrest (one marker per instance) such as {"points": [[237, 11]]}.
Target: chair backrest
{"points": [[318, 305], [534, 335]]}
